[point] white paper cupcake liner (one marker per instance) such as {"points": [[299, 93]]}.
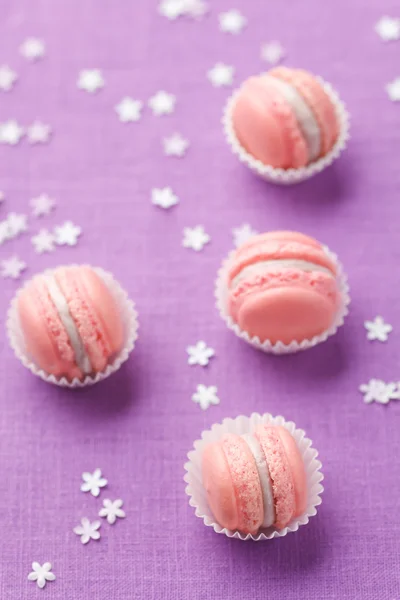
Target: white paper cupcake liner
{"points": [[221, 292], [131, 325], [241, 425], [289, 176]]}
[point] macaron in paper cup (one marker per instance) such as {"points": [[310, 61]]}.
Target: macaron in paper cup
{"points": [[129, 331], [243, 425], [279, 348], [291, 175]]}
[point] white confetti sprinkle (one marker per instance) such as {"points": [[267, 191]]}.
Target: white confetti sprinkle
{"points": [[206, 396], [90, 80], [164, 197], [393, 90], [378, 329], [388, 28], [221, 75], [42, 205], [377, 390], [242, 234], [12, 267], [41, 574], [67, 234], [43, 241], [175, 145], [199, 354], [162, 103], [129, 110], [38, 133], [32, 48], [87, 530], [92, 482], [7, 78], [112, 510], [272, 52], [232, 22], [195, 238], [11, 132]]}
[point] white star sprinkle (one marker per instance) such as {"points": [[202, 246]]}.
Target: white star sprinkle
{"points": [[272, 52], [90, 80], [38, 133], [32, 48], [7, 78], [195, 238], [377, 329], [92, 482], [221, 75], [162, 103], [87, 530], [175, 145], [171, 9], [232, 22], [388, 28], [41, 574], [199, 354], [242, 234], [205, 396], [377, 390], [4, 232], [16, 224], [164, 197], [112, 510], [393, 90], [129, 110], [67, 234], [10, 132], [12, 267], [43, 241], [42, 205]]}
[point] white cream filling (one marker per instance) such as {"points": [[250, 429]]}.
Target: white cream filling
{"points": [[265, 481], [269, 266], [59, 301], [304, 115]]}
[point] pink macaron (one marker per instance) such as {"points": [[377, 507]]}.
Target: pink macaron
{"points": [[285, 118], [71, 323], [255, 481], [282, 287]]}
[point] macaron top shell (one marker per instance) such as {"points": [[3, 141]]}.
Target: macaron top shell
{"points": [[297, 470], [264, 248]]}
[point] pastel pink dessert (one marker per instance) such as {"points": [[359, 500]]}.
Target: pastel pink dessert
{"points": [[282, 286], [70, 321], [255, 481], [285, 118]]}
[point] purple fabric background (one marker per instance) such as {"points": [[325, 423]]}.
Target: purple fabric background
{"points": [[138, 425]]}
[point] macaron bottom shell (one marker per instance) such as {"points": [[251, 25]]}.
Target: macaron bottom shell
{"points": [[285, 314]]}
